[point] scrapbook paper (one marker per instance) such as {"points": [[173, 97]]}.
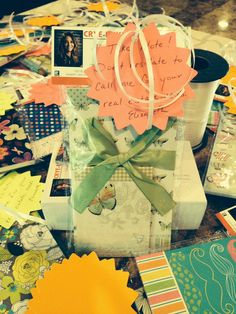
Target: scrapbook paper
{"points": [[26, 252], [40, 121], [15, 150], [127, 99], [7, 98], [83, 285], [221, 173], [21, 193], [196, 279], [43, 125]]}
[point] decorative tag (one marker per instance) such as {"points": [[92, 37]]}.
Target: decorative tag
{"points": [[84, 285], [129, 106]]}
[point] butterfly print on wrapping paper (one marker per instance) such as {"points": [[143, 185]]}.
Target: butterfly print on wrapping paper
{"points": [[105, 199]]}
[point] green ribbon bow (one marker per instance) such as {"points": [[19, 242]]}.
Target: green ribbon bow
{"points": [[108, 159]]}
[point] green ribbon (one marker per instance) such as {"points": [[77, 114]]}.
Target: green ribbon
{"points": [[108, 159]]}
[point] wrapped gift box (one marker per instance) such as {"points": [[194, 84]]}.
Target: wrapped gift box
{"points": [[132, 226]]}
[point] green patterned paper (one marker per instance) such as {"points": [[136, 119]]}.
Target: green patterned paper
{"points": [[206, 275]]}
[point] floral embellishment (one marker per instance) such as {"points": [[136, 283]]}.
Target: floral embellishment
{"points": [[37, 237], [29, 267], [3, 126], [20, 307], [1, 142], [14, 132], [9, 234], [3, 152], [11, 290], [26, 157]]}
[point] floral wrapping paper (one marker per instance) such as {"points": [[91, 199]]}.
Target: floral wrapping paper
{"points": [[15, 148], [26, 252]]}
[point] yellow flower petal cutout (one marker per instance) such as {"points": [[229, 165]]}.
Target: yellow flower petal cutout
{"points": [[83, 285], [18, 33], [43, 21], [230, 74], [98, 7], [231, 105], [5, 102], [10, 50]]}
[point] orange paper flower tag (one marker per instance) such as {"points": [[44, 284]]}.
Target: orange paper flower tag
{"points": [[171, 75], [83, 285]]}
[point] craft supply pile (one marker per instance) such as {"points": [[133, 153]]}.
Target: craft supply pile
{"points": [[97, 108]]}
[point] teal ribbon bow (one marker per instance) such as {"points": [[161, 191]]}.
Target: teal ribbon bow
{"points": [[108, 159]]}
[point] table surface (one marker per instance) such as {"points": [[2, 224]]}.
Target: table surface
{"points": [[210, 227]]}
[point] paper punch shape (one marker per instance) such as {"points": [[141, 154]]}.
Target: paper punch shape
{"points": [[83, 285]]}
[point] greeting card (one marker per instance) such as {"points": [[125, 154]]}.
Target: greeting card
{"points": [[195, 279], [19, 193]]}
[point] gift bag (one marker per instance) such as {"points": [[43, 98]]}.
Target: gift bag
{"points": [[122, 138]]}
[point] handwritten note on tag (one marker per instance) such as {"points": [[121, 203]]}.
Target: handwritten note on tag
{"points": [[21, 193], [171, 73]]}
